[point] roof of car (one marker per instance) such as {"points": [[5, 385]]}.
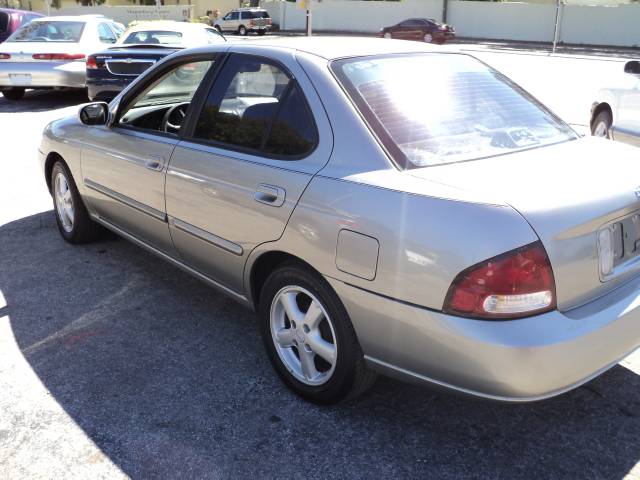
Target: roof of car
{"points": [[74, 18], [340, 47]]}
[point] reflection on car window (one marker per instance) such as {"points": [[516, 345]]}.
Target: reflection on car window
{"points": [[49, 31], [293, 132], [242, 106], [468, 111], [177, 87]]}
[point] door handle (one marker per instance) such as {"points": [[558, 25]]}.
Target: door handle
{"points": [[270, 195], [154, 162]]}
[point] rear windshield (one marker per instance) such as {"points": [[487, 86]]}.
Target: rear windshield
{"points": [[154, 37], [433, 109], [259, 14], [4, 22], [48, 31]]}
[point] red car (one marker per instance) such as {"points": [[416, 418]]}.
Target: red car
{"points": [[420, 29], [11, 20]]}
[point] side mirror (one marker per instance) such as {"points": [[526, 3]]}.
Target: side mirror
{"points": [[632, 67], [94, 113]]}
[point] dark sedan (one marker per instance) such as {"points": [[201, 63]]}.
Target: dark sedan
{"points": [[141, 46], [422, 29]]}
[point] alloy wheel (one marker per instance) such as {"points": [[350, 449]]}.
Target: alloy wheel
{"points": [[428, 38], [601, 130], [64, 202], [303, 335]]}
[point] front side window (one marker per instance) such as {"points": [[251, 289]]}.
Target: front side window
{"points": [[49, 31], [433, 109], [256, 106], [153, 37], [164, 104]]}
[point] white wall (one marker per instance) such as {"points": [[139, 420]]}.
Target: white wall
{"points": [[352, 15], [497, 20], [597, 25], [130, 13]]}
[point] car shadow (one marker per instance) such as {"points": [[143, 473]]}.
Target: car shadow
{"points": [[169, 379], [43, 100]]}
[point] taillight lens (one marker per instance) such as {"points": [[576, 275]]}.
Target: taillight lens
{"points": [[512, 285], [58, 56], [4, 56], [92, 63]]}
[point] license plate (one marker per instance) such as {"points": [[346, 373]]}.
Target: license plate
{"points": [[20, 78]]}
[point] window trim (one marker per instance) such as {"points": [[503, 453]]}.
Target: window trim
{"points": [[217, 58], [189, 132]]}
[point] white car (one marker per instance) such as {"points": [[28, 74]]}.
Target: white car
{"points": [[616, 112], [245, 20], [51, 52]]}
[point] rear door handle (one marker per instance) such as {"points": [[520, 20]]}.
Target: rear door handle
{"points": [[270, 195]]}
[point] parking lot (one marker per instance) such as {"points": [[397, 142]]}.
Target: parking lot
{"points": [[115, 364]]}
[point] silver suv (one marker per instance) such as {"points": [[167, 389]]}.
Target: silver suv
{"points": [[245, 20]]}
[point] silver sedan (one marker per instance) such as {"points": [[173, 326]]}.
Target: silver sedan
{"points": [[383, 206], [51, 52]]}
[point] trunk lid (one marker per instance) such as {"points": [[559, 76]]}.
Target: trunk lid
{"points": [[24, 51], [567, 193]]}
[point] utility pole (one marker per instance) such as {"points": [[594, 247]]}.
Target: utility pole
{"points": [[556, 28], [309, 18], [445, 4]]}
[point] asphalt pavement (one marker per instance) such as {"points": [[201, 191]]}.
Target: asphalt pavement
{"points": [[114, 364]]}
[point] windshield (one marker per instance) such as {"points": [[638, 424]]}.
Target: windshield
{"points": [[48, 31], [154, 37], [433, 109]]}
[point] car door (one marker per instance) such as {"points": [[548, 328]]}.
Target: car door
{"points": [[233, 183], [627, 125], [124, 163], [403, 30]]}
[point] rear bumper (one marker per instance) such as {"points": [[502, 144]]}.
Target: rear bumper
{"points": [[107, 89], [45, 74], [518, 360]]}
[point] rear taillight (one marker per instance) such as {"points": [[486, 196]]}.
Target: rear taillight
{"points": [[4, 56], [516, 284], [58, 56], [92, 63], [251, 23]]}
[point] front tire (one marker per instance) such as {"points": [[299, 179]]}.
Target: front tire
{"points": [[13, 93], [73, 220], [388, 35], [602, 125], [309, 337]]}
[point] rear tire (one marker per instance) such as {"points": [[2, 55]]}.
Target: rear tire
{"points": [[428, 38], [601, 126], [319, 360], [74, 222], [242, 30], [13, 93]]}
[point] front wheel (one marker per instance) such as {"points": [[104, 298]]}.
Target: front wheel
{"points": [[13, 93], [73, 220], [309, 337], [602, 125], [388, 35]]}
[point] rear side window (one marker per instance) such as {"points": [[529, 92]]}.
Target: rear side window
{"points": [[4, 22], [234, 16], [106, 34], [259, 14], [256, 106]]}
